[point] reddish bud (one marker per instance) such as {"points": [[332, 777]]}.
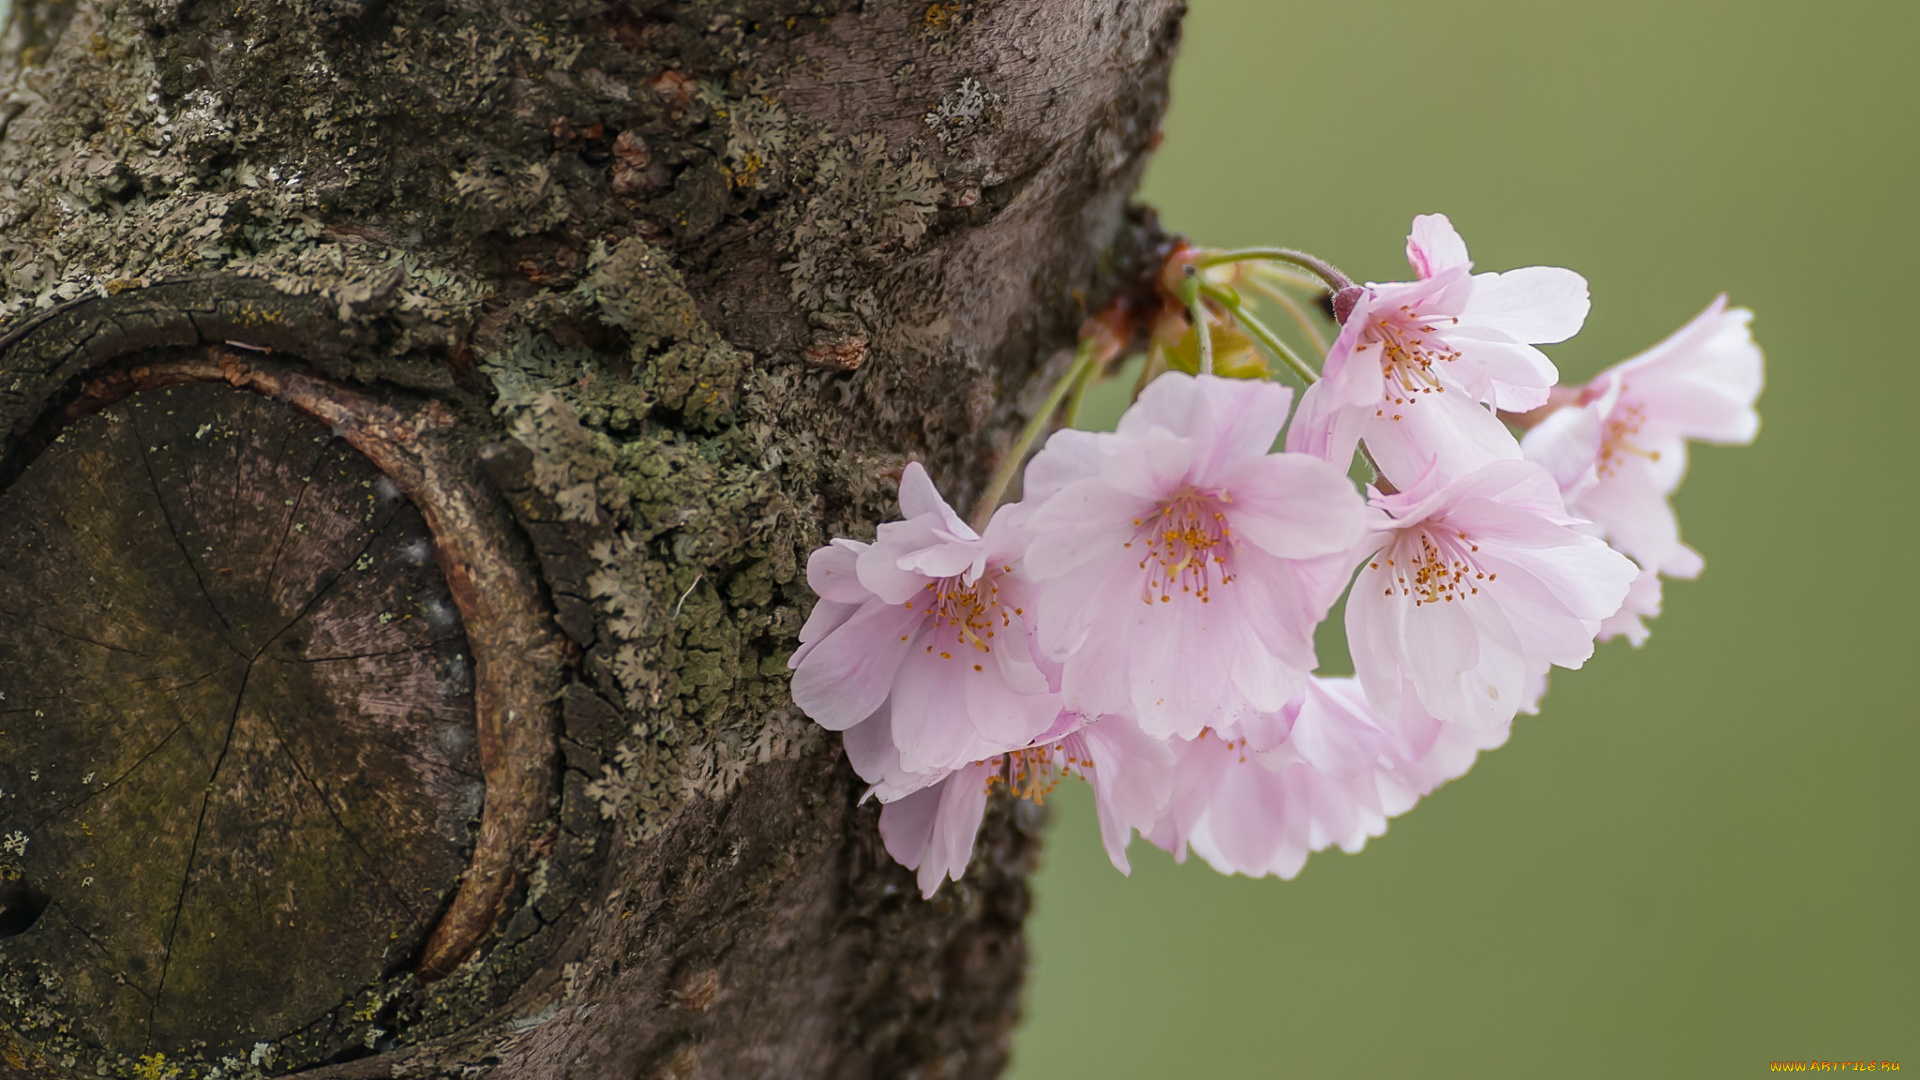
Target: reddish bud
{"points": [[1344, 301]]}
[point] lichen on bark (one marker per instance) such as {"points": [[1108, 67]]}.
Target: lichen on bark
{"points": [[695, 280]]}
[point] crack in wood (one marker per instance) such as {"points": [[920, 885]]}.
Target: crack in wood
{"points": [[518, 655]]}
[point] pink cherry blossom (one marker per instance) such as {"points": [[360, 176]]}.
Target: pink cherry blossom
{"points": [[931, 829], [1416, 362], [1337, 772], [1181, 566], [1473, 586], [928, 622], [1619, 449]]}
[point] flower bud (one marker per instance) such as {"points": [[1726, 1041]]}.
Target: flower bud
{"points": [[1344, 300]]}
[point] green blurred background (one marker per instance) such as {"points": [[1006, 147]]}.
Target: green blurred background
{"points": [[1702, 857]]}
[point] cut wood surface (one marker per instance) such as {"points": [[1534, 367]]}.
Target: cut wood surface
{"points": [[238, 718]]}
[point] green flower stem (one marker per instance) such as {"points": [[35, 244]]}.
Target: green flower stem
{"points": [[1078, 398], [1287, 275], [1293, 309], [1191, 287], [1314, 265], [1083, 358], [1202, 336], [1231, 301]]}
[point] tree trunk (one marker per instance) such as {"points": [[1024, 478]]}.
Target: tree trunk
{"points": [[419, 415]]}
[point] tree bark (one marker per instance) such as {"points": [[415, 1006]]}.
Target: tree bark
{"points": [[419, 415]]}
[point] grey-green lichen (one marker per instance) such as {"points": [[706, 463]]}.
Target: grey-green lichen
{"points": [[868, 205], [696, 575], [142, 163]]}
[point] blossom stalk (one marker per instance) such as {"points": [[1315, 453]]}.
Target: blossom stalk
{"points": [[1084, 356], [1230, 300], [1313, 264]]}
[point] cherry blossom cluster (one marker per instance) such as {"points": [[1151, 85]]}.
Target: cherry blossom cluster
{"points": [[1144, 615]]}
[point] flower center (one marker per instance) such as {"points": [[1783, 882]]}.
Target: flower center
{"points": [[1432, 564], [1617, 442], [1033, 772], [1186, 544], [1409, 354], [972, 613]]}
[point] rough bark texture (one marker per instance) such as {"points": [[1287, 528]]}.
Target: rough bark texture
{"points": [[680, 287]]}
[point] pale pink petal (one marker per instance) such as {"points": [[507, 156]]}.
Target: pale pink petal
{"points": [[932, 723], [1553, 629], [1180, 669], [1013, 655], [831, 572], [906, 826], [1642, 603], [941, 560], [1518, 485], [1199, 765], [1265, 731], [826, 617], [845, 677], [1002, 714], [1068, 608], [1325, 428], [1068, 455], [869, 746], [919, 498], [1487, 694], [1293, 505], [1630, 503], [1434, 245], [1701, 381], [1151, 465], [1265, 681], [1535, 304], [1440, 644], [1351, 375], [1566, 444], [1280, 603], [1666, 459], [1581, 572], [1132, 778], [1516, 377], [1086, 521], [1444, 432], [1335, 734], [1536, 689], [1235, 418], [1685, 564], [1436, 301], [1376, 625], [879, 566], [1244, 420], [1249, 823], [963, 803], [871, 751]]}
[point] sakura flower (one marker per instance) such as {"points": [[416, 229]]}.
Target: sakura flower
{"points": [[1416, 361], [927, 622], [1180, 567], [1620, 448], [1473, 588], [932, 829], [1338, 771]]}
